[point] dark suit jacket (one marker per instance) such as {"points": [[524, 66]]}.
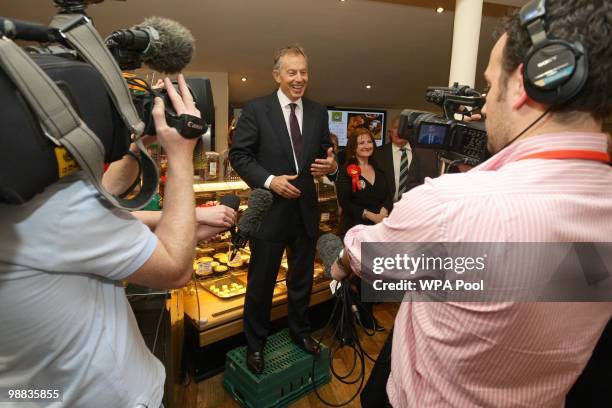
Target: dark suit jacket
{"points": [[424, 164], [261, 147]]}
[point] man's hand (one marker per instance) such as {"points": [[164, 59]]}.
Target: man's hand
{"points": [[159, 84], [321, 167], [377, 218], [205, 232], [337, 272], [219, 216], [475, 117], [282, 186], [170, 139]]}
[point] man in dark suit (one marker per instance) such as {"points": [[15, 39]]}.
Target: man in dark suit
{"points": [[281, 142], [404, 167]]}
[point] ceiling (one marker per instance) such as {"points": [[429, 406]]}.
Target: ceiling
{"points": [[398, 46]]}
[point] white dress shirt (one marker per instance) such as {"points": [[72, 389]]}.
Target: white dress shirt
{"points": [[299, 113]]}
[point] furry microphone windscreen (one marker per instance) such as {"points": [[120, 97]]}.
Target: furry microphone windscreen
{"points": [[329, 247], [260, 202], [173, 50]]}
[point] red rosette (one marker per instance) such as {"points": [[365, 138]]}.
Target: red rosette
{"points": [[354, 171]]}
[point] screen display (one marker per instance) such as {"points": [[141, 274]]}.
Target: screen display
{"points": [[343, 121], [432, 134]]}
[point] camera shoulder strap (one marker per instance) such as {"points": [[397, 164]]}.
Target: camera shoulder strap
{"points": [[83, 37], [62, 124]]}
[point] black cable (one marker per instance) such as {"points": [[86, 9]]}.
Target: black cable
{"points": [[526, 129], [161, 317], [341, 377], [345, 315]]}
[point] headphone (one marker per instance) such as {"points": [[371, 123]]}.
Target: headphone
{"points": [[554, 70]]}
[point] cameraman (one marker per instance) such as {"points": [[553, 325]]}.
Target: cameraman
{"points": [[66, 323], [513, 353]]}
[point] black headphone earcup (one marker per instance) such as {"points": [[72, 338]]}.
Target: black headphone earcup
{"points": [[572, 59], [575, 84]]}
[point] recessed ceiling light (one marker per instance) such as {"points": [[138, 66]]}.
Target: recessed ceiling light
{"points": [[243, 79], [342, 1], [368, 86], [439, 10]]}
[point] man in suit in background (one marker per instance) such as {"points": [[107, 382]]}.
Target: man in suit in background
{"points": [[281, 143], [404, 167]]}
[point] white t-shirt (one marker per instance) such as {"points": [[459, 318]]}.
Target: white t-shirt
{"points": [[64, 319]]}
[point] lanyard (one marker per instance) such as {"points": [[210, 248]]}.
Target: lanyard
{"points": [[570, 154]]}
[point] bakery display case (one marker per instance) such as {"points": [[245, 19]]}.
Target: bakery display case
{"points": [[214, 299]]}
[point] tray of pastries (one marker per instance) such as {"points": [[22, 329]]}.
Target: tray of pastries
{"points": [[225, 287]]}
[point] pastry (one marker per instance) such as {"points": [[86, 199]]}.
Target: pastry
{"points": [[220, 269]]}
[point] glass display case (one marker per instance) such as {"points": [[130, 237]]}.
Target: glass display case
{"points": [[214, 299]]}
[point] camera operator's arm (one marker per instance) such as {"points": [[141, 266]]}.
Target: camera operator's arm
{"points": [[170, 264], [210, 221], [122, 173]]}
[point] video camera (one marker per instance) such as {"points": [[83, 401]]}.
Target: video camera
{"points": [[455, 140], [33, 155]]}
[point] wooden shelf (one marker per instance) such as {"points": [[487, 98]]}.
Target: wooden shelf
{"points": [[212, 187]]}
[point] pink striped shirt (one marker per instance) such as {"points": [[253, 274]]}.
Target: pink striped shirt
{"points": [[498, 354]]}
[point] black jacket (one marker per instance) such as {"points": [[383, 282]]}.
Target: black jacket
{"points": [[371, 197], [261, 147], [424, 164]]}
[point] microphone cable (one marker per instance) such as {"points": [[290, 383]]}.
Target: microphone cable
{"points": [[342, 325]]}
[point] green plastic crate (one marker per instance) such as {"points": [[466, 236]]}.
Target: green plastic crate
{"points": [[286, 378]]}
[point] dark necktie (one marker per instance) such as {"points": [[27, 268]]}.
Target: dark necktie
{"points": [[403, 178], [296, 135]]}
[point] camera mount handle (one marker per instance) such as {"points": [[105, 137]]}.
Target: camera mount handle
{"points": [[451, 102]]}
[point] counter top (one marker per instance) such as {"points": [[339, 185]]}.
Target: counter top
{"points": [[217, 318]]}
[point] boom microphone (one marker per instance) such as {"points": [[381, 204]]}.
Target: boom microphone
{"points": [[165, 45], [329, 247], [260, 202]]}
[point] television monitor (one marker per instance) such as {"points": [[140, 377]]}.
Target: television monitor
{"points": [[433, 134], [343, 121]]}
